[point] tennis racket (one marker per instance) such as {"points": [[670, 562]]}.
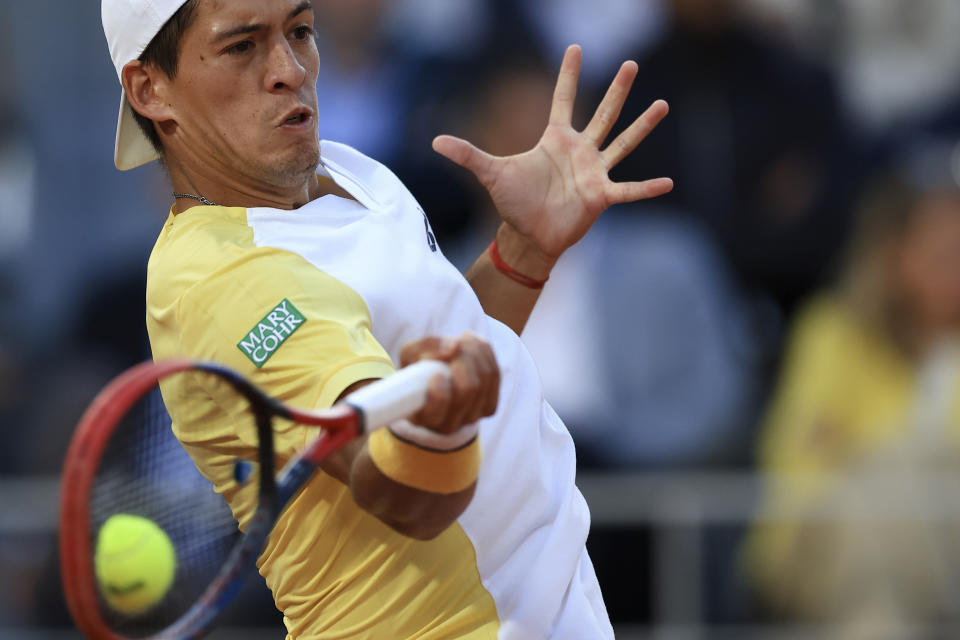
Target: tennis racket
{"points": [[125, 462]]}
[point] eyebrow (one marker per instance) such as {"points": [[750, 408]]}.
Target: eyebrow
{"points": [[306, 5]]}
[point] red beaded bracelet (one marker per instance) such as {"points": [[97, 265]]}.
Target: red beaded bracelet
{"points": [[512, 273]]}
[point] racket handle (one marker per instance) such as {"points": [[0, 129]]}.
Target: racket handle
{"points": [[394, 397]]}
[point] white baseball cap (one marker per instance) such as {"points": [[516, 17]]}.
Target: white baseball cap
{"points": [[130, 25]]}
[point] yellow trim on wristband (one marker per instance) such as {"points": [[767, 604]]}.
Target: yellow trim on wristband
{"points": [[433, 471]]}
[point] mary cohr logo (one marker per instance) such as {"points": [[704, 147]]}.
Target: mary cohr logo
{"points": [[271, 332]]}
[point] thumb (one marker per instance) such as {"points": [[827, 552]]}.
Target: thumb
{"points": [[458, 150]]}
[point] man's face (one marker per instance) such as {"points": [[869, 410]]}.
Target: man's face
{"points": [[244, 94]]}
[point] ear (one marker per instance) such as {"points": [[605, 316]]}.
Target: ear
{"points": [[146, 88]]}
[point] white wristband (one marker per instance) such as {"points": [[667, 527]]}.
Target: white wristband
{"points": [[428, 439]]}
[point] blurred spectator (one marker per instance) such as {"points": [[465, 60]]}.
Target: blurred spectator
{"points": [[18, 182], [862, 440], [108, 335], [756, 142], [646, 347], [84, 216], [424, 27], [362, 85], [608, 30], [897, 61]]}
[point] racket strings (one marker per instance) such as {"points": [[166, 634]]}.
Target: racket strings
{"points": [[146, 473]]}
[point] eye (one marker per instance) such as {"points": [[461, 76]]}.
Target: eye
{"points": [[303, 32], [241, 47]]}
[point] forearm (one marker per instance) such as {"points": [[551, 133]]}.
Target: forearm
{"points": [[413, 512], [503, 298], [410, 511]]}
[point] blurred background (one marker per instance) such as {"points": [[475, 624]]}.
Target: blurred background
{"points": [[761, 370]]}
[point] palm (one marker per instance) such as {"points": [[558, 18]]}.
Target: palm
{"points": [[553, 193]]}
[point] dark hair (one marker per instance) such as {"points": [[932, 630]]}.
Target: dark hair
{"points": [[163, 52]]}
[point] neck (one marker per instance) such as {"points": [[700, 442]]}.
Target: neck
{"points": [[238, 191]]}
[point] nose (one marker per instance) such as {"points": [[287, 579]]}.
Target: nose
{"points": [[284, 69]]}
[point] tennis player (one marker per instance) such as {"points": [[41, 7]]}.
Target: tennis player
{"points": [[311, 269]]}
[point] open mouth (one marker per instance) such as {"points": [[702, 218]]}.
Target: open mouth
{"points": [[297, 117]]}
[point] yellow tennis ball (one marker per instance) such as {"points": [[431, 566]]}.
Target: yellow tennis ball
{"points": [[135, 563]]}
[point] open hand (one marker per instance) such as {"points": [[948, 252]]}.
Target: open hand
{"points": [[552, 194]]}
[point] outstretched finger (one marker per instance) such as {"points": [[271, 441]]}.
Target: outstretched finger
{"points": [[620, 192], [612, 103], [633, 135], [467, 156], [565, 93]]}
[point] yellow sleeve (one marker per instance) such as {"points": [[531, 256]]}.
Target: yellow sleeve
{"points": [[842, 392], [294, 331], [810, 388], [799, 430]]}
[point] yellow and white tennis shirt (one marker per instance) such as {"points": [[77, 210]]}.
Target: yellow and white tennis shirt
{"points": [[309, 301]]}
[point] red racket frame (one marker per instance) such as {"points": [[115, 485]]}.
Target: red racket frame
{"points": [[341, 423]]}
